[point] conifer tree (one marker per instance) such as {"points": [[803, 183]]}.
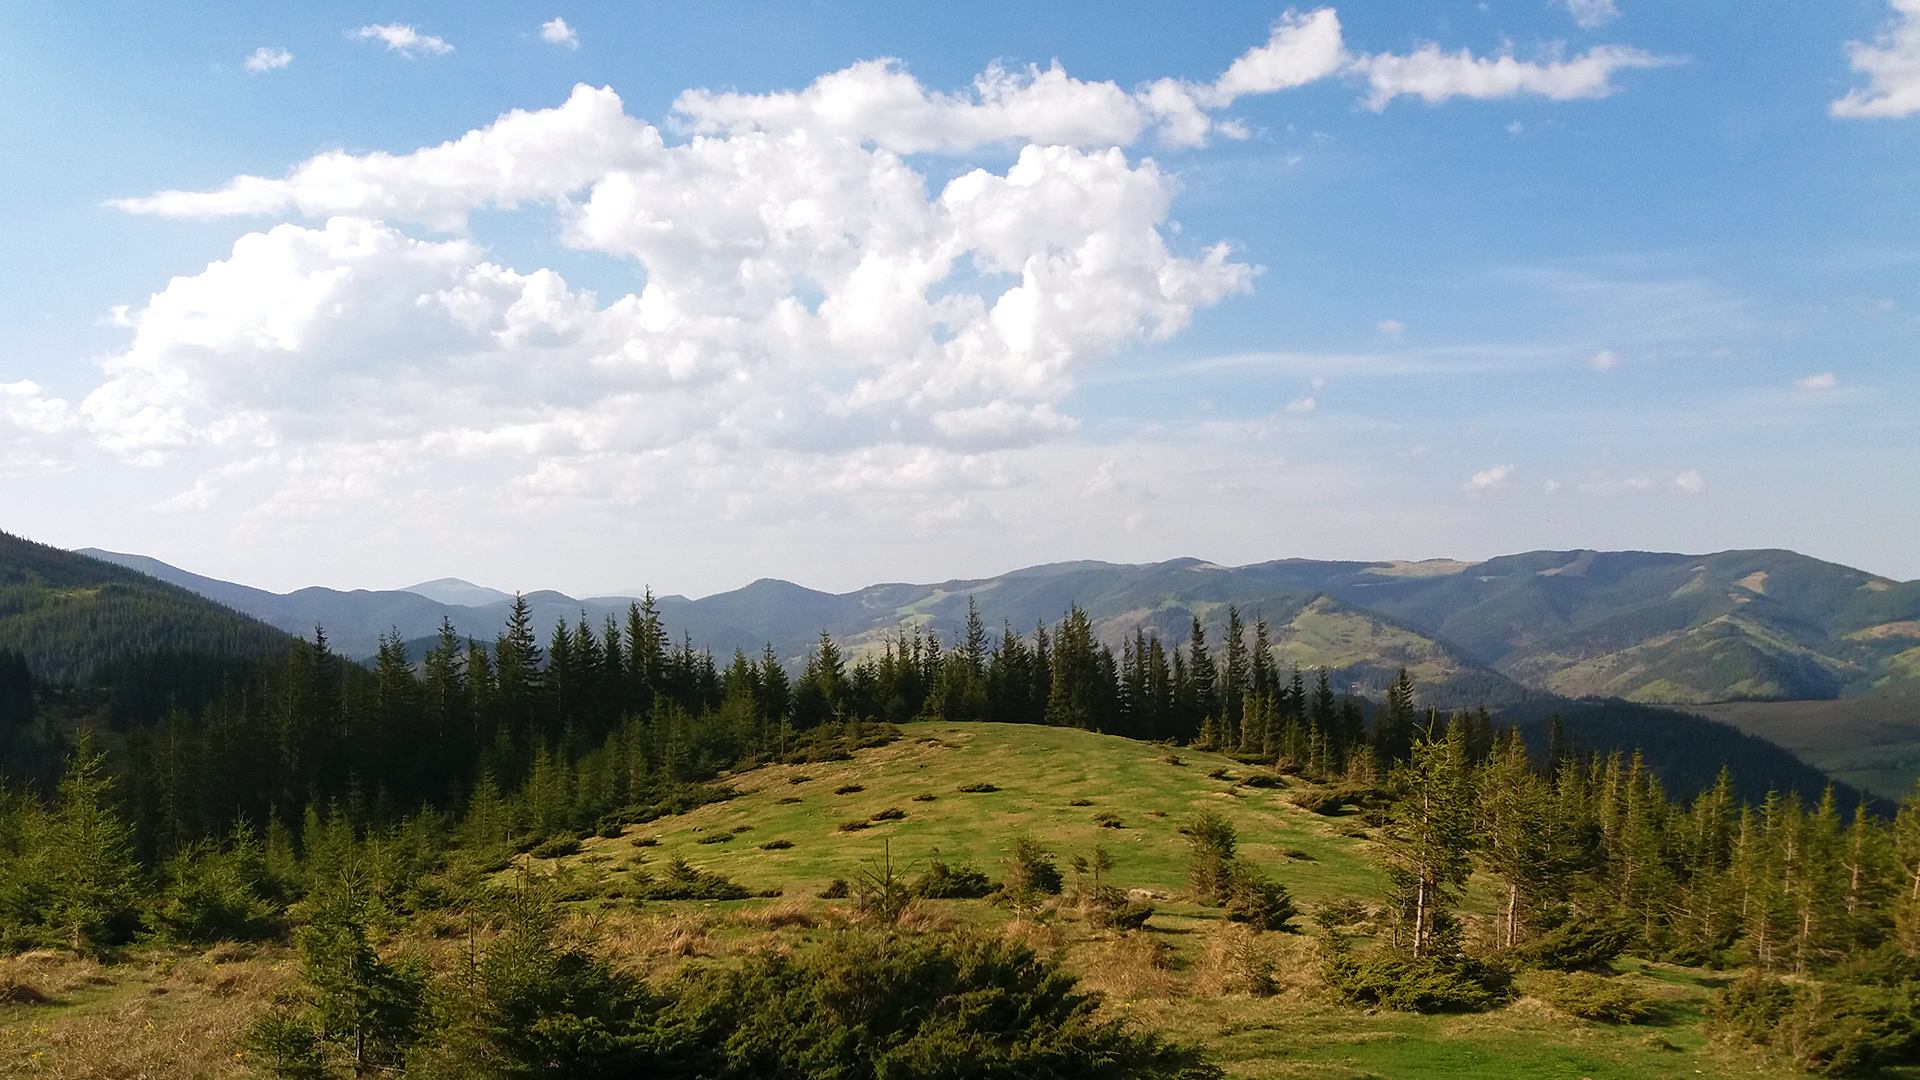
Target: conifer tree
{"points": [[94, 877], [1429, 838]]}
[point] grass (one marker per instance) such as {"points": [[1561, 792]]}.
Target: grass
{"points": [[1038, 774], [166, 1014]]}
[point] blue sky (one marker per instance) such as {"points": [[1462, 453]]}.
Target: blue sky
{"points": [[1062, 281]]}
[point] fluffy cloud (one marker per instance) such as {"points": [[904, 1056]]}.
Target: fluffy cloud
{"points": [[814, 318], [523, 156], [402, 39], [1490, 478], [1604, 360], [266, 59], [32, 429], [557, 32], [1689, 482], [1814, 384], [1892, 67], [1302, 49]]}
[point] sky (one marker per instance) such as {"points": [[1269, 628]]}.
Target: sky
{"points": [[591, 297]]}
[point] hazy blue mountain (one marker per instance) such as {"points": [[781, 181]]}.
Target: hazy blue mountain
{"points": [[452, 590], [1642, 626]]}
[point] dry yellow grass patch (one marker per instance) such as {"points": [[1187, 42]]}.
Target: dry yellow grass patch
{"points": [[159, 1017]]}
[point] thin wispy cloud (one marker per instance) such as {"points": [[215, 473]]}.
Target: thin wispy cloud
{"points": [[402, 39], [1588, 14]]}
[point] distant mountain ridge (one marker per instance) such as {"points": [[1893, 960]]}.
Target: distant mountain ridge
{"points": [[1643, 626]]}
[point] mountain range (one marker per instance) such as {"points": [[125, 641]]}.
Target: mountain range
{"points": [[1641, 626]]}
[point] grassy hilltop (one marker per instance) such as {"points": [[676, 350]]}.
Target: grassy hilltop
{"points": [[178, 1014]]}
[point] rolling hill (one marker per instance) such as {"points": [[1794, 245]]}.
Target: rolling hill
{"points": [[74, 617]]}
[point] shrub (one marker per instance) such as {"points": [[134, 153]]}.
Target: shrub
{"points": [[1219, 774], [1431, 984], [848, 789], [798, 779], [897, 1006], [555, 847], [944, 882], [891, 813], [1257, 900], [611, 830], [1576, 945], [1131, 915], [1262, 780], [714, 838], [1107, 819], [645, 841], [925, 796], [1079, 802], [1172, 759], [776, 845], [682, 881], [836, 889], [1030, 869], [1822, 1027], [854, 826], [977, 788], [787, 800], [1591, 997], [1212, 838], [213, 895]]}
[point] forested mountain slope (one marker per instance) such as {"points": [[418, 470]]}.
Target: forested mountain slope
{"points": [[1643, 626], [72, 617]]}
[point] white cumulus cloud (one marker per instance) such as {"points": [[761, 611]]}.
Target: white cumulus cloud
{"points": [[268, 59], [402, 39], [1814, 384], [1891, 64], [1689, 482], [1604, 360], [814, 315], [557, 32], [1489, 478]]}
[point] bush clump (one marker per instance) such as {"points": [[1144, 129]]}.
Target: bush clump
{"points": [[891, 813], [683, 881], [925, 796], [1131, 915], [837, 889], [1431, 984], [977, 788], [555, 847], [1591, 997], [848, 789], [944, 882], [1107, 819], [1030, 870], [1824, 1028], [781, 844], [1576, 945], [1257, 900]]}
